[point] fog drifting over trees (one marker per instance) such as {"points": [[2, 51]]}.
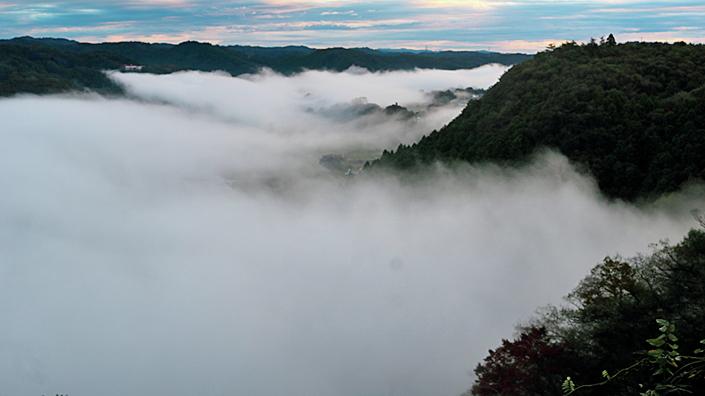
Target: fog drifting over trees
{"points": [[186, 241]]}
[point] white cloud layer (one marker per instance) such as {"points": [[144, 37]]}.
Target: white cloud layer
{"points": [[187, 242]]}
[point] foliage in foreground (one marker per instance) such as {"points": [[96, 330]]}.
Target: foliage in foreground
{"points": [[612, 314], [671, 369]]}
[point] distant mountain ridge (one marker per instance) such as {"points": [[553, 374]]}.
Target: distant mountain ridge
{"points": [[28, 63], [632, 115], [238, 59], [41, 70]]}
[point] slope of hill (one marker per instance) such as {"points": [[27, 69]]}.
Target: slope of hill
{"points": [[272, 52], [340, 59], [238, 60], [632, 114], [46, 70], [158, 57]]}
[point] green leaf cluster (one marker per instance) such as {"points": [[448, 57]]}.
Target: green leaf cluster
{"points": [[665, 359], [666, 353]]}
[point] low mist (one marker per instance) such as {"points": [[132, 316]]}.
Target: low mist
{"points": [[187, 240]]}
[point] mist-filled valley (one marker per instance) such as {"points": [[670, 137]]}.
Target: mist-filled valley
{"points": [[186, 239]]}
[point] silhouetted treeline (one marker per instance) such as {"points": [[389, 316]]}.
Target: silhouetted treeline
{"points": [[46, 70], [339, 59], [632, 114], [236, 60]]}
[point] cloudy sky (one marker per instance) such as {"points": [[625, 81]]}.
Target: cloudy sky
{"points": [[185, 240], [505, 26]]}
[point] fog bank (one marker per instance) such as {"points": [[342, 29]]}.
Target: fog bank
{"points": [[187, 241]]}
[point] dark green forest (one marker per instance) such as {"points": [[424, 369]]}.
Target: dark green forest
{"points": [[75, 65], [632, 115], [41, 70], [339, 59]]}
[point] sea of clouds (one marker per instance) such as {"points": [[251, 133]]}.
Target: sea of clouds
{"points": [[185, 240]]}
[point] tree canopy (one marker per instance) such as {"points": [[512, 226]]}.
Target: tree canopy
{"points": [[46, 70], [632, 115], [237, 60], [613, 313]]}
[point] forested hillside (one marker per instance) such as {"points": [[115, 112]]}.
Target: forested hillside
{"points": [[56, 65], [633, 325], [238, 60], [633, 115], [158, 58], [339, 59], [47, 70]]}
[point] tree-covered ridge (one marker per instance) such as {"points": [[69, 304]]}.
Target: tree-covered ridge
{"points": [[238, 60], [159, 58], [46, 70], [339, 59], [632, 114]]}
